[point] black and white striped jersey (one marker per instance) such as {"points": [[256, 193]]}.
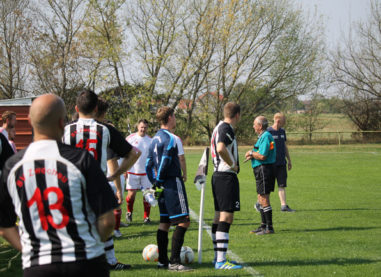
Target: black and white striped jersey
{"points": [[58, 192], [224, 133], [96, 138], [6, 151]]}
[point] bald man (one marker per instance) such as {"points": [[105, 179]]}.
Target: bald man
{"points": [[62, 198], [263, 157]]}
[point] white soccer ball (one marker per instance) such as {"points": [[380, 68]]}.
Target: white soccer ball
{"points": [[186, 255], [151, 253]]}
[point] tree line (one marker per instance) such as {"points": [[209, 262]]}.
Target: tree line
{"points": [[193, 55]]}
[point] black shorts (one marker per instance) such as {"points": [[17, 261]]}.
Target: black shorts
{"points": [[265, 179], [280, 172], [94, 267], [173, 202], [225, 188]]}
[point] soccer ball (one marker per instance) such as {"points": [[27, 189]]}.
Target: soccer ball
{"points": [[186, 255], [151, 253]]}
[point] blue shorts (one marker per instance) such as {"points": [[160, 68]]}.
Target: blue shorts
{"points": [[173, 202]]}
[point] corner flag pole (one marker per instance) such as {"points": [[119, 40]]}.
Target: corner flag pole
{"points": [[200, 181]]}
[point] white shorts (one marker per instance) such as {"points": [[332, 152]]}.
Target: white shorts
{"points": [[138, 182]]}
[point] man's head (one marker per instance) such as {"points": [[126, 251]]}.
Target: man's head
{"points": [[142, 127], [9, 120], [166, 117], [87, 102], [260, 124], [279, 120], [232, 112], [47, 116], [102, 109]]}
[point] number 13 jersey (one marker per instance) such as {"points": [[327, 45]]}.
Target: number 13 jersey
{"points": [[58, 192]]}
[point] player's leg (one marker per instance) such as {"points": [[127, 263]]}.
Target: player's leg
{"points": [[147, 207], [266, 184], [281, 177], [178, 211], [110, 256], [133, 184], [227, 196]]}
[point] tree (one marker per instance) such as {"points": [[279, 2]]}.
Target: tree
{"points": [[356, 71], [55, 50], [102, 40], [309, 121], [226, 47], [14, 27]]}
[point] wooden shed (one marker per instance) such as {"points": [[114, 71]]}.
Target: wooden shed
{"points": [[20, 106]]}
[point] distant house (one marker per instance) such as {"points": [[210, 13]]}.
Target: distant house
{"points": [[24, 134]]}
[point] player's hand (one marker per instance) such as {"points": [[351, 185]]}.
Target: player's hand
{"points": [[119, 197], [235, 168], [289, 165], [185, 178]]}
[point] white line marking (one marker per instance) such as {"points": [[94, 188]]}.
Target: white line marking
{"points": [[235, 257]]}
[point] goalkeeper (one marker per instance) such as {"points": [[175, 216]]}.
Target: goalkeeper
{"points": [[164, 170]]}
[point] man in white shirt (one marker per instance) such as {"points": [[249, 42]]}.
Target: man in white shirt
{"points": [[136, 176]]}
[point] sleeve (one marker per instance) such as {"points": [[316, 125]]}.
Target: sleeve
{"points": [[180, 147], [111, 154], [118, 143], [98, 191], [225, 135], [7, 211], [150, 167], [285, 137], [264, 147], [166, 158], [6, 151]]}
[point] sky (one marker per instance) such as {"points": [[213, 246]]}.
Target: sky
{"points": [[338, 16]]}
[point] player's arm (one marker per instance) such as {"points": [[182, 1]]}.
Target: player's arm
{"points": [[105, 225], [183, 166], [166, 158], [224, 154], [123, 149], [112, 166], [8, 217], [11, 235], [100, 196], [127, 162], [289, 165], [262, 152]]}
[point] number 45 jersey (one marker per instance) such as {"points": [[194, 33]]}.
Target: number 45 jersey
{"points": [[97, 138], [58, 192]]}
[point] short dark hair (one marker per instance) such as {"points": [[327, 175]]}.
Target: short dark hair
{"points": [[231, 109], [143, 120], [102, 106], [86, 102], [163, 114], [7, 115]]}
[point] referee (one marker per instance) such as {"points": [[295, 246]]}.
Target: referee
{"points": [[62, 198], [263, 157]]}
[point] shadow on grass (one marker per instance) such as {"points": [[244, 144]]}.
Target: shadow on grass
{"points": [[328, 229], [335, 261]]}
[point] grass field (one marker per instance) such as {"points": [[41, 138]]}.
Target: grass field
{"points": [[336, 230]]}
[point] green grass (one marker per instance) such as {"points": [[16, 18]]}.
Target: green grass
{"points": [[335, 231]]}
